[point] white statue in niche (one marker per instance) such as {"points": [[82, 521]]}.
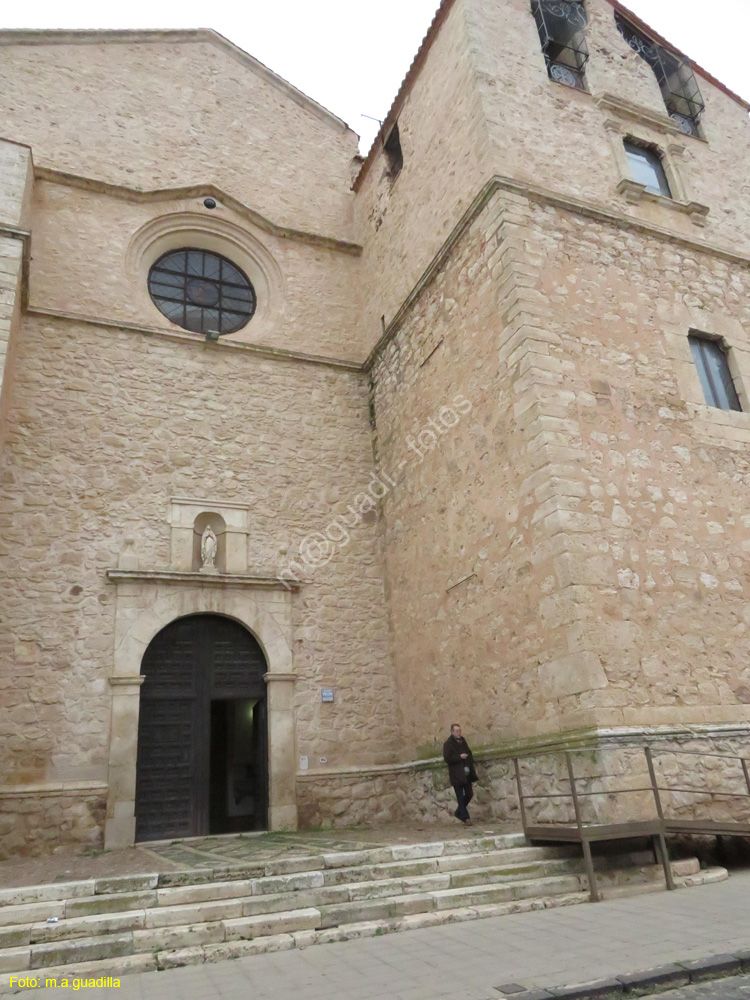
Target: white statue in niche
{"points": [[209, 548]]}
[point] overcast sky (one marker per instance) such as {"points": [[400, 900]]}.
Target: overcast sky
{"points": [[351, 55]]}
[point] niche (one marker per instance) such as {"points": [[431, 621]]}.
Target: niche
{"points": [[218, 525]]}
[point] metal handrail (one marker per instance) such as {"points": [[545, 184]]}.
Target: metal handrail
{"points": [[656, 788], [586, 832], [704, 791], [660, 846], [697, 753], [584, 795]]}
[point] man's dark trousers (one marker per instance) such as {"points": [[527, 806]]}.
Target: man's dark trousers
{"points": [[464, 795]]}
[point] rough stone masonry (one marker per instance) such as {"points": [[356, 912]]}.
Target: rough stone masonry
{"points": [[460, 460]]}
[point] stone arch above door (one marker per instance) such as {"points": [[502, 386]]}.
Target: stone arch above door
{"points": [[145, 605], [267, 614]]}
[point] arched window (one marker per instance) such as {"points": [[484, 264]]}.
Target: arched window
{"points": [[647, 169]]}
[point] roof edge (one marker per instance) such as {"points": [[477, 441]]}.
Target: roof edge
{"points": [[89, 36], [432, 33], [413, 72]]}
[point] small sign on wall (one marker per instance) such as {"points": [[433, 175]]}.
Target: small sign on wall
{"points": [[326, 694]]}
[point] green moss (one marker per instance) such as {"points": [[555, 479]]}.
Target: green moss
{"points": [[428, 750], [430, 754]]}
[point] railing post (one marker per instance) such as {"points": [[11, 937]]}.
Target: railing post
{"points": [[520, 794], [588, 860], [661, 839], [654, 785], [746, 772]]}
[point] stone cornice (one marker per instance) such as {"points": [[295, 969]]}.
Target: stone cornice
{"points": [[195, 191], [272, 353], [202, 501], [622, 108], [50, 789], [593, 739], [89, 36], [533, 192], [543, 196], [246, 580]]}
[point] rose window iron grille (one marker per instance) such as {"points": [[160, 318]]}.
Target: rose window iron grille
{"points": [[674, 75], [201, 291], [562, 33]]}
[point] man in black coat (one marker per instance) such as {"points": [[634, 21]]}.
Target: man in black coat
{"points": [[457, 756]]}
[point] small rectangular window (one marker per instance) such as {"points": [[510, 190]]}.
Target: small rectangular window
{"points": [[713, 370], [392, 147], [562, 32], [646, 168]]}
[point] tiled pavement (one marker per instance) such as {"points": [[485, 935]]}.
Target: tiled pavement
{"points": [[467, 961], [208, 852]]}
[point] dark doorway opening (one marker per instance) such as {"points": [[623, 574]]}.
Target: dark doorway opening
{"points": [[202, 734], [238, 780]]}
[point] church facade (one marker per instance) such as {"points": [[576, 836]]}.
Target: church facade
{"points": [[305, 456]]}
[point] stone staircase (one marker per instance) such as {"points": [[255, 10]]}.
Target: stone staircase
{"points": [[114, 926]]}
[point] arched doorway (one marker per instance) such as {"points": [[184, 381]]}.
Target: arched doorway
{"points": [[202, 731]]}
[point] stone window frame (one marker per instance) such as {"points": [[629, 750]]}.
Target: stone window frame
{"points": [[730, 427], [651, 135], [176, 230]]}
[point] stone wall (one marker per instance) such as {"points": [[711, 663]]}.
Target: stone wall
{"points": [[159, 110], [468, 548], [560, 545], [39, 820], [577, 540], [697, 775], [482, 104], [105, 427], [93, 250], [530, 121], [15, 196], [403, 222], [418, 795], [663, 571]]}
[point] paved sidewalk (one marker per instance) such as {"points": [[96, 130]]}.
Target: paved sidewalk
{"points": [[467, 961]]}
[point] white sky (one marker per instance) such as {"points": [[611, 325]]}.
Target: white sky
{"points": [[351, 55]]}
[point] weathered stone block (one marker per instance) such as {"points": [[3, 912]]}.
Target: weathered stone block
{"points": [[80, 950]]}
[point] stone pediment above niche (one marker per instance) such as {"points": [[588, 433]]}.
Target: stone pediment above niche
{"points": [[208, 536], [621, 108]]}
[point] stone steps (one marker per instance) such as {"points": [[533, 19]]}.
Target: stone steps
{"points": [[87, 915], [129, 924], [507, 847]]}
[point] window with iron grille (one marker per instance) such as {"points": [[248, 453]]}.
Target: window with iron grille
{"points": [[713, 370], [674, 75], [647, 169], [201, 291], [562, 32]]}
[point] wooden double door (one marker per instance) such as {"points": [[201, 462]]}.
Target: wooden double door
{"points": [[202, 762]]}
